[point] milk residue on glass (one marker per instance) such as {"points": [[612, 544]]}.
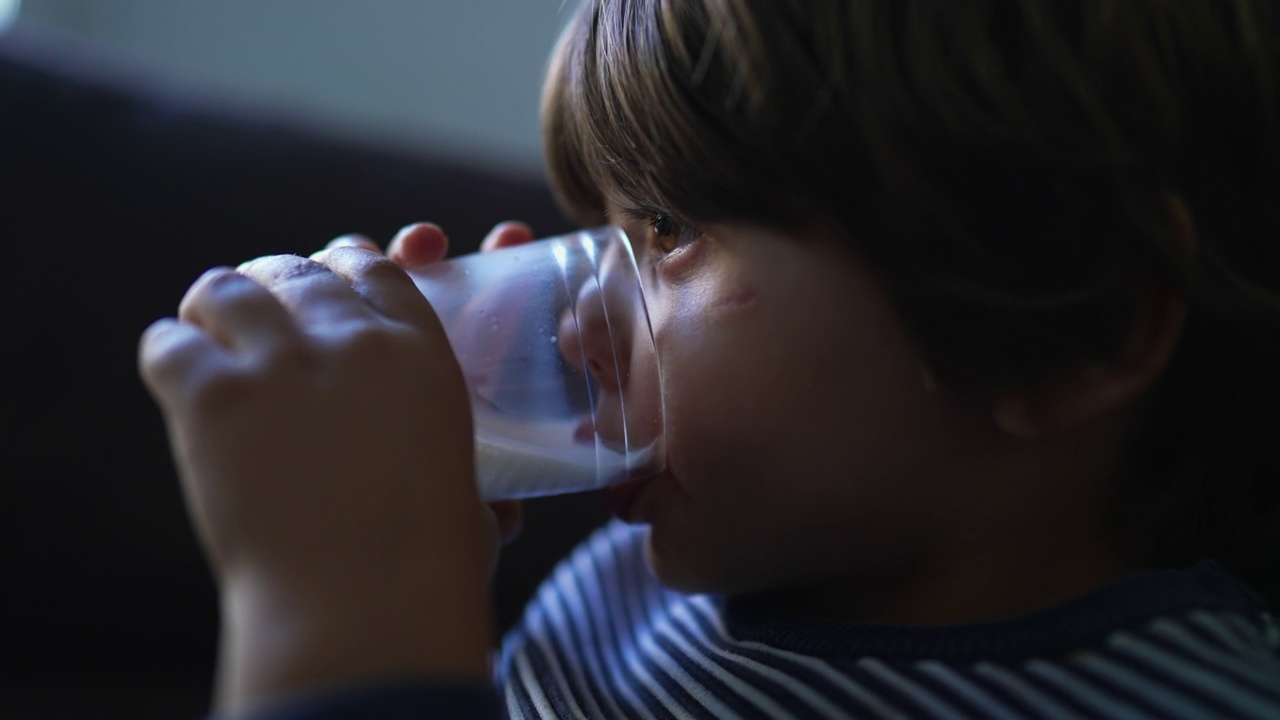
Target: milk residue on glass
{"points": [[518, 459]]}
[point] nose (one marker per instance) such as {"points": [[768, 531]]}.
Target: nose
{"points": [[607, 336], [596, 335]]}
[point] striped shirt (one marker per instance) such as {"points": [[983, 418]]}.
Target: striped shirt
{"points": [[601, 639]]}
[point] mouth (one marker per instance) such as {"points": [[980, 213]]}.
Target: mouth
{"points": [[621, 498], [637, 463], [585, 432]]}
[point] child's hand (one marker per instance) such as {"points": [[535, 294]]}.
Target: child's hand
{"points": [[422, 244], [323, 434]]}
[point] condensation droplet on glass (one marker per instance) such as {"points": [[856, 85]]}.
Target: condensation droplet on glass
{"points": [[553, 338]]}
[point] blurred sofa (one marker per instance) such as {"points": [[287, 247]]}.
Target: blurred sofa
{"points": [[116, 191]]}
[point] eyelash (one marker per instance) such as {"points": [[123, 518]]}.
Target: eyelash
{"points": [[664, 229]]}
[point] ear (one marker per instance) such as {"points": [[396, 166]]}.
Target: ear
{"points": [[1085, 393]]}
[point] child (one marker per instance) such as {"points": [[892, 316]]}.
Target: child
{"points": [[967, 311]]}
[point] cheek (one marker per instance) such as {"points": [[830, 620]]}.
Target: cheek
{"points": [[718, 362], [644, 396], [737, 299], [761, 384]]}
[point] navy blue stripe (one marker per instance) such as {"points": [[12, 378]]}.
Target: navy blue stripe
{"points": [[801, 672], [550, 684], [1116, 686], [940, 692], [701, 632], [974, 700], [523, 696], [1204, 665], [619, 635], [637, 586], [1211, 638], [621, 607], [581, 633], [1125, 603], [1002, 694], [1159, 681], [591, 645], [1069, 700], [778, 690], [713, 685], [887, 691], [576, 654], [640, 580], [523, 703]]}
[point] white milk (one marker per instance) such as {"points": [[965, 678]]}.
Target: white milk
{"points": [[515, 460]]}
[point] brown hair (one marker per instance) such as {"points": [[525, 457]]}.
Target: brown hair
{"points": [[1007, 166]]}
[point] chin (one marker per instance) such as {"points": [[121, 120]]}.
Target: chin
{"points": [[684, 573], [670, 571]]}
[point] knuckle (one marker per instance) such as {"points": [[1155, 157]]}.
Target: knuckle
{"points": [[163, 354], [349, 240], [375, 267], [264, 265], [379, 268], [377, 344], [369, 340], [361, 262], [170, 350], [231, 287], [220, 391], [162, 365], [274, 270], [374, 261], [298, 269], [212, 286], [292, 358]]}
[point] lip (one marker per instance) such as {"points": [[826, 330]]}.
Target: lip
{"points": [[621, 498], [585, 432]]}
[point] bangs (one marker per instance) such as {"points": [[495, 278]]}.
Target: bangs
{"points": [[651, 104]]}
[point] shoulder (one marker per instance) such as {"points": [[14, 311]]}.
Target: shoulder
{"points": [[602, 639], [1185, 643], [594, 583]]}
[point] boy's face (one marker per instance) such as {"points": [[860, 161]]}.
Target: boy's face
{"points": [[804, 443]]}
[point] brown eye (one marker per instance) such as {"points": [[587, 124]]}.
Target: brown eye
{"points": [[663, 234]]}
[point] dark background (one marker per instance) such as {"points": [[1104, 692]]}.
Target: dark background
{"points": [[115, 194]]}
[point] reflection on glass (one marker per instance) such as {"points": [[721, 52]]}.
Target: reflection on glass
{"points": [[8, 13]]}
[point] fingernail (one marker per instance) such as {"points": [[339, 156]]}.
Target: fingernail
{"points": [[397, 250], [497, 237], [417, 227]]}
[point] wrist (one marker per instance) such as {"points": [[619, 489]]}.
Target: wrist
{"points": [[278, 641]]}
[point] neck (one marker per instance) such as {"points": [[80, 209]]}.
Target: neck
{"points": [[1025, 532], [973, 588]]}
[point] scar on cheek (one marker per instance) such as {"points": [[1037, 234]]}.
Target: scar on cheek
{"points": [[736, 299]]}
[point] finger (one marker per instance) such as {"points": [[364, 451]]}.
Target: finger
{"points": [[353, 240], [171, 352], [506, 234], [509, 515], [380, 283], [418, 244], [236, 311], [313, 293]]}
